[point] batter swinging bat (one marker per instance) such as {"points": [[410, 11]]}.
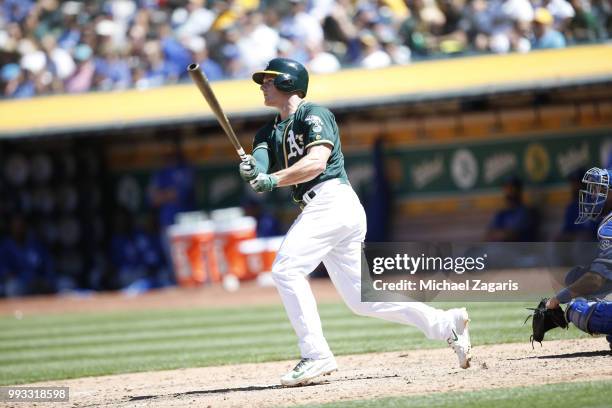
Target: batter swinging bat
{"points": [[202, 83]]}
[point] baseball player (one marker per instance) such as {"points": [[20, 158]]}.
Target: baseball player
{"points": [[586, 286], [302, 144]]}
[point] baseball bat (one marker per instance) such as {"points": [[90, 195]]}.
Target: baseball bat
{"points": [[204, 86]]}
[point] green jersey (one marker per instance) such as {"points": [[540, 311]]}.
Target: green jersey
{"points": [[287, 141]]}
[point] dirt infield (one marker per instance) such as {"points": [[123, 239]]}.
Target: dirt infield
{"points": [[364, 376]]}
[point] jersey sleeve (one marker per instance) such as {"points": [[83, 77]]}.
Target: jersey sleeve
{"points": [[263, 148], [260, 141], [321, 128]]}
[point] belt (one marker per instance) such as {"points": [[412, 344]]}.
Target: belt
{"points": [[308, 196], [312, 193]]}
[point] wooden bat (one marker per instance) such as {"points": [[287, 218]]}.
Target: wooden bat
{"points": [[204, 86]]}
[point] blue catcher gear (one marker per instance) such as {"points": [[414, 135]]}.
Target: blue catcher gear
{"points": [[593, 317], [592, 199]]}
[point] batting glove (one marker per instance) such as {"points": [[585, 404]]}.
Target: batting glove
{"points": [[264, 182], [248, 169]]}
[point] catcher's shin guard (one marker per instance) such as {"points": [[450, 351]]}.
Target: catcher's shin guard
{"points": [[593, 317]]}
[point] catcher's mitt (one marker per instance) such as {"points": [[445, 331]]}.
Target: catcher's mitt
{"points": [[544, 320]]}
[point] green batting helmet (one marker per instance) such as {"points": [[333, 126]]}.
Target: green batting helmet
{"points": [[291, 76]]}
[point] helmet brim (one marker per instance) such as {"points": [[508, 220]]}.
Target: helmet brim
{"points": [[258, 76]]}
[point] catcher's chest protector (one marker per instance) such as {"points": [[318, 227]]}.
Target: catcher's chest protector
{"points": [[593, 317]]}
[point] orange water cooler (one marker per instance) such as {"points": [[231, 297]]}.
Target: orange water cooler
{"points": [[229, 234], [259, 254], [193, 253], [272, 246]]}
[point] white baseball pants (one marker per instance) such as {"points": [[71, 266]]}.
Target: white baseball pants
{"points": [[332, 228]]}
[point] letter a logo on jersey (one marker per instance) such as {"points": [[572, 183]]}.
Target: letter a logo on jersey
{"points": [[294, 144]]}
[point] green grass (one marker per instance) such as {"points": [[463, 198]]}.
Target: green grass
{"points": [[53, 347], [566, 395]]}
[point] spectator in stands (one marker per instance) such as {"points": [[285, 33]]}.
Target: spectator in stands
{"points": [[112, 70], [149, 43], [520, 36], [174, 54], [602, 9], [157, 69], [504, 16], [19, 82], [474, 26], [138, 32], [257, 43], [60, 64], [199, 54], [300, 24], [16, 10], [290, 47], [584, 26], [82, 79], [340, 32], [372, 54], [544, 35], [193, 20], [171, 191], [26, 266], [231, 53], [229, 12], [450, 37], [399, 53], [560, 10], [320, 61], [70, 33], [516, 222], [414, 32]]}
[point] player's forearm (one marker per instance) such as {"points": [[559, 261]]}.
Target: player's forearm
{"points": [[304, 170], [586, 285], [262, 159], [589, 283]]}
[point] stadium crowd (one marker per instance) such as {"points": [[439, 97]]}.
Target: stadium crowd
{"points": [[53, 46]]}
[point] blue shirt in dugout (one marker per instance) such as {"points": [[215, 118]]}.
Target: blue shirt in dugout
{"points": [[28, 261], [180, 178], [518, 219], [135, 250]]}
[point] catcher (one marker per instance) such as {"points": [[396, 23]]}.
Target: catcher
{"points": [[585, 286]]}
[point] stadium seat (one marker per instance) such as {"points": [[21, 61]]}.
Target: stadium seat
{"points": [[517, 120], [556, 117], [445, 127], [605, 112], [478, 124]]}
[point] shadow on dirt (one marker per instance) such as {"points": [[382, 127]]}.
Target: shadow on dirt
{"points": [[253, 388], [580, 354]]}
